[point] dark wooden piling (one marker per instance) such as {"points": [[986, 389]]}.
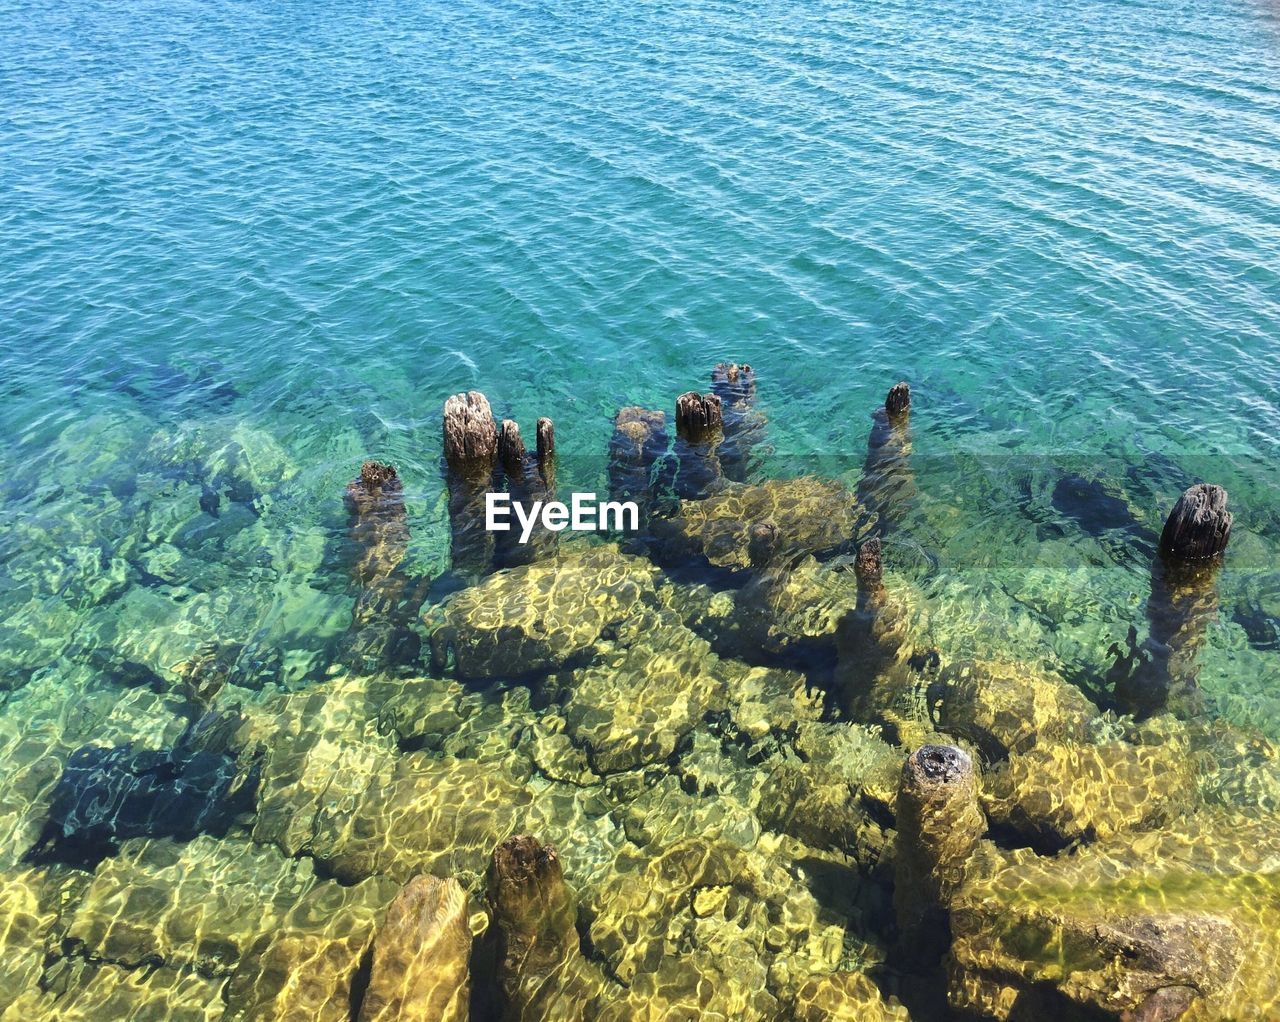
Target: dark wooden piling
{"points": [[939, 824], [868, 639], [534, 923], [743, 424], [695, 468], [887, 486], [471, 458], [1182, 604], [527, 483], [546, 438], [388, 599]]}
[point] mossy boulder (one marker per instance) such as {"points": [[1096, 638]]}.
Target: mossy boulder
{"points": [[1177, 924], [539, 617], [810, 514]]}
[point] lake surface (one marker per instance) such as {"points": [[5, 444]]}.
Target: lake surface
{"points": [[245, 247]]}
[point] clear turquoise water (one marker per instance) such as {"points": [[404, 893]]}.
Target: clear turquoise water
{"points": [[243, 247]]}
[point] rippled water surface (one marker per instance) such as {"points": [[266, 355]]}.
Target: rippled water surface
{"points": [[244, 247]]}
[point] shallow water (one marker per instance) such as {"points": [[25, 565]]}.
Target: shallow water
{"points": [[243, 249]]}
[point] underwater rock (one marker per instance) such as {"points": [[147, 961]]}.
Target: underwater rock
{"points": [[793, 609], [810, 514], [30, 903], [471, 456], [939, 824], [108, 795], [308, 966], [844, 997], [431, 815], [1006, 707], [1180, 923], [421, 955], [198, 905], [539, 617], [1064, 792], [74, 990], [744, 426]]}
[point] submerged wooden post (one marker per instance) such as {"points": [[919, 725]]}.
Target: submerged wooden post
{"points": [[534, 917], [1182, 604], [379, 633], [744, 426], [471, 456], [939, 824], [888, 483], [527, 483], [546, 439], [868, 638], [639, 440], [421, 956], [699, 434]]}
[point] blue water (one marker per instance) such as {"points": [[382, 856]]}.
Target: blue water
{"points": [[280, 235]]}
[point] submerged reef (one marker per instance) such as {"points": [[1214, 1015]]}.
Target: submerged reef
{"points": [[752, 762]]}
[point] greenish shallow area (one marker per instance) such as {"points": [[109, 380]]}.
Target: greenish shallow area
{"points": [[244, 248]]}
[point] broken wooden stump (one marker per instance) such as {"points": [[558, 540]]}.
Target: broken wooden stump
{"points": [[471, 457], [526, 478], [639, 440], [546, 444], [939, 824], [888, 485], [534, 924], [380, 633], [1183, 603], [744, 426], [869, 641], [695, 469], [421, 956]]}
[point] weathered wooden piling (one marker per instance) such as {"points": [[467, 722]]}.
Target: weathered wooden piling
{"points": [[421, 954], [388, 600], [868, 639], [887, 485], [546, 441], [471, 457], [743, 425], [534, 923], [939, 824], [1183, 602], [527, 483], [699, 435], [639, 440]]}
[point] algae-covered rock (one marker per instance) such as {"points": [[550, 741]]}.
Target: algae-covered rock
{"points": [[78, 991], [810, 514], [538, 617], [30, 904], [1182, 923], [794, 609], [844, 997], [421, 956], [430, 815], [1006, 707], [654, 683], [1060, 793], [306, 967]]}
